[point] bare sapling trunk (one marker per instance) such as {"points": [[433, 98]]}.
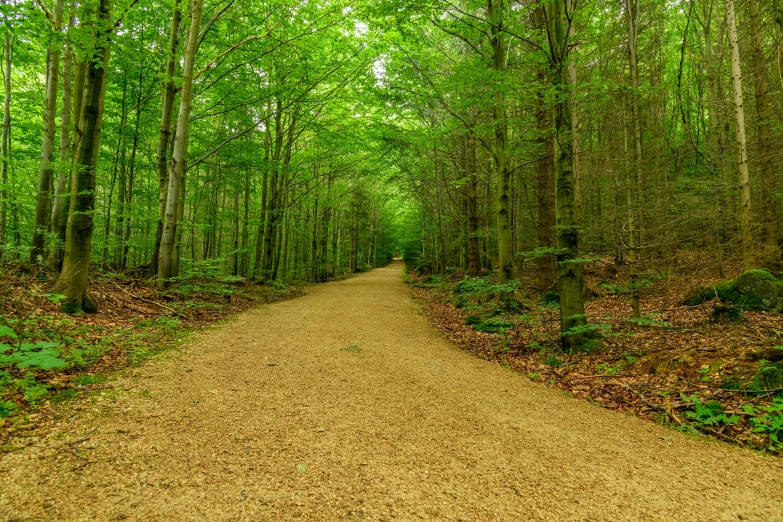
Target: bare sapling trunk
{"points": [[179, 161], [570, 268], [43, 198], [73, 279], [746, 231]]}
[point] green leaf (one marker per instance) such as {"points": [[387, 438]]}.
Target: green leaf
{"points": [[6, 331]]}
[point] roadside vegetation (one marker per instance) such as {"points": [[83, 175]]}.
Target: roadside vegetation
{"points": [[701, 364], [48, 356]]}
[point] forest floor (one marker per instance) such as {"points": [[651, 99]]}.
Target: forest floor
{"points": [[135, 322], [675, 365], [346, 405]]}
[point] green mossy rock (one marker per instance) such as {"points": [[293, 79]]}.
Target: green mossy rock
{"points": [[757, 290]]}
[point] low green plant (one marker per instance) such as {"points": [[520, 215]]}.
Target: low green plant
{"points": [[769, 421], [708, 413], [492, 326], [7, 408]]}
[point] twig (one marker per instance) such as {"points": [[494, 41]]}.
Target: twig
{"points": [[178, 314]]}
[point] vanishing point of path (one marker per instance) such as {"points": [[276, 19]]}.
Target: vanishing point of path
{"points": [[266, 419]]}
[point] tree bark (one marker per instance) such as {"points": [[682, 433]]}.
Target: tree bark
{"points": [[164, 134], [766, 150], [502, 171], [175, 193], [746, 232], [570, 268], [59, 214], [633, 187], [5, 141], [73, 279], [43, 198]]}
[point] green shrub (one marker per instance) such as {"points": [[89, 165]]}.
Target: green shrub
{"points": [[492, 326]]}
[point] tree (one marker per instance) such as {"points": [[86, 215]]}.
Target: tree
{"points": [[73, 279], [176, 190], [560, 17]]}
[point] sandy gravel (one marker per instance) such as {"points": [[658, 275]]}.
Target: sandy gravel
{"points": [[266, 418]]}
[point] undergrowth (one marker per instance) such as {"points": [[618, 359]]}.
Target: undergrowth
{"points": [[47, 356], [673, 365]]}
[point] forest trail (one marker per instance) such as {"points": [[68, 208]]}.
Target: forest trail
{"points": [[267, 418]]}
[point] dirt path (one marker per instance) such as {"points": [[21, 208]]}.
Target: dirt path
{"points": [[267, 419]]}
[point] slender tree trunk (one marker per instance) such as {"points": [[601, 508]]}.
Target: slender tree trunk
{"points": [[633, 187], [120, 158], [132, 176], [245, 256], [474, 259], [258, 265], [766, 148], [73, 279], [176, 187], [545, 187], [631, 190], [164, 134], [502, 171], [746, 232], [5, 150], [324, 237], [570, 267], [59, 214], [43, 198], [715, 132]]}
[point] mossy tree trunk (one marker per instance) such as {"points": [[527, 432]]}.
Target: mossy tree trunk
{"points": [[503, 201], [559, 16]]}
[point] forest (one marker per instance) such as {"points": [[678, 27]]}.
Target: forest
{"points": [[571, 183]]}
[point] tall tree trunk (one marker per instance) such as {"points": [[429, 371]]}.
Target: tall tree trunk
{"points": [[474, 259], [766, 150], [120, 158], [324, 237], [179, 162], [502, 170], [570, 267], [258, 265], [631, 190], [746, 232], [73, 279], [633, 187], [272, 221], [716, 140], [59, 214], [245, 256], [132, 174], [545, 189], [164, 134], [5, 141], [43, 198]]}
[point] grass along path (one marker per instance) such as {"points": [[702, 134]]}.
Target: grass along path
{"points": [[267, 418]]}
